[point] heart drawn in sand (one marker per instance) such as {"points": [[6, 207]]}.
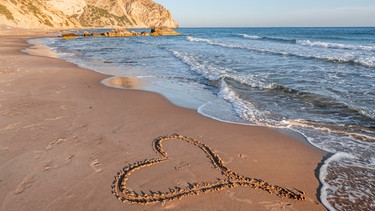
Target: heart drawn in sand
{"points": [[232, 180]]}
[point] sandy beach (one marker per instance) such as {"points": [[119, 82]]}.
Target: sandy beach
{"points": [[65, 136]]}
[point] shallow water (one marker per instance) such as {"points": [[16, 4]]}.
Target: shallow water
{"points": [[318, 81]]}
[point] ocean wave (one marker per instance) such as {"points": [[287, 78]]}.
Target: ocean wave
{"points": [[314, 102], [356, 133], [360, 136], [366, 112], [273, 39], [201, 66], [333, 194], [355, 170], [322, 44], [245, 109], [279, 88], [252, 37], [195, 39], [350, 60], [356, 194], [310, 43], [336, 117], [368, 62], [343, 59], [326, 190], [331, 105]]}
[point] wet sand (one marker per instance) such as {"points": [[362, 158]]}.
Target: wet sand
{"points": [[67, 143]]}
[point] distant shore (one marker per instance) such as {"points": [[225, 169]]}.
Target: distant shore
{"points": [[64, 137]]}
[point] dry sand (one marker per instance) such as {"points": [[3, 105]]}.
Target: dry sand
{"points": [[64, 137]]}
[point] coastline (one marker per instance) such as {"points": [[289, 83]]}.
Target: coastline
{"points": [[65, 135]]}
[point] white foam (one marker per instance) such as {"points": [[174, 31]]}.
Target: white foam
{"points": [[369, 62], [334, 45], [356, 137], [245, 109], [340, 58], [221, 111], [201, 66], [323, 174], [212, 42], [364, 61], [252, 37], [195, 39]]}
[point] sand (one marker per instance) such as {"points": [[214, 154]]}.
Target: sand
{"points": [[67, 142]]}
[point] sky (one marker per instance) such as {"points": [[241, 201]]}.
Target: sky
{"points": [[271, 13]]}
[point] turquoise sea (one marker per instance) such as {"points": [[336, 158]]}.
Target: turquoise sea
{"points": [[317, 81]]}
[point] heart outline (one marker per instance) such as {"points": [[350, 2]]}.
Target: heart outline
{"points": [[232, 179]]}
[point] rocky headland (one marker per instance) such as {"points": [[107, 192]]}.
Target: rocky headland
{"points": [[73, 14]]}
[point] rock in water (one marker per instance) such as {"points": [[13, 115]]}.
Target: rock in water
{"points": [[162, 31], [69, 35]]}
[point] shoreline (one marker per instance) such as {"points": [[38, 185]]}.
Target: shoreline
{"points": [[77, 111], [125, 83]]}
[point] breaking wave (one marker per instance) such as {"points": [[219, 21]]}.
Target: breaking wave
{"points": [[349, 59]]}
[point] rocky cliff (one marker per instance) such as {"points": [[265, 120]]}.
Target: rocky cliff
{"points": [[84, 13]]}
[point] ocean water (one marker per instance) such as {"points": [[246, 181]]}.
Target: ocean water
{"points": [[317, 81]]}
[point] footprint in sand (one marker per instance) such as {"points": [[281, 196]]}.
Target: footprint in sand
{"points": [[54, 118], [269, 205], [58, 141], [58, 163], [233, 196], [26, 183], [9, 127], [4, 148], [242, 156], [55, 142], [95, 164]]}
